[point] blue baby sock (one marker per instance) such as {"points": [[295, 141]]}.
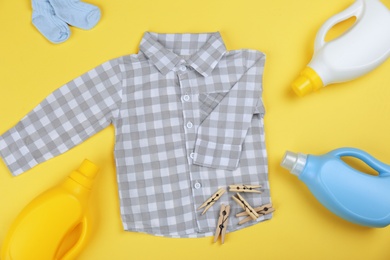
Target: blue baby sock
{"points": [[77, 13], [45, 20]]}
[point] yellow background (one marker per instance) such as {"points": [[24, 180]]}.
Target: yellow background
{"points": [[351, 114]]}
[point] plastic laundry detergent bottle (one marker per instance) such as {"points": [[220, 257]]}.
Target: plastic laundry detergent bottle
{"points": [[353, 195], [359, 50], [45, 223]]}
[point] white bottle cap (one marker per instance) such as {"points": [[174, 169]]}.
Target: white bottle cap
{"points": [[294, 162]]}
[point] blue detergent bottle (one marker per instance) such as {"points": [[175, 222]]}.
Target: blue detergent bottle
{"points": [[358, 197]]}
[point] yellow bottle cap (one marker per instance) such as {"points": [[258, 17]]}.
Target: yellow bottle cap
{"points": [[308, 81], [85, 174], [88, 169]]}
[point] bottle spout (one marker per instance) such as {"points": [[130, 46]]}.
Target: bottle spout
{"points": [[85, 174], [88, 169], [307, 82], [294, 162]]}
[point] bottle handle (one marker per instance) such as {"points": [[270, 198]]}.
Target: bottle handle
{"points": [[380, 167], [354, 10], [76, 249]]}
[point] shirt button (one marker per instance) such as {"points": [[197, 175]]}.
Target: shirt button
{"points": [[189, 125], [183, 68], [197, 185], [186, 97], [192, 155]]}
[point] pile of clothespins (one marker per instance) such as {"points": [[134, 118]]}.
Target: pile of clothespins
{"points": [[250, 213]]}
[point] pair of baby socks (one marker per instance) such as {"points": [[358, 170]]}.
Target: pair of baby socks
{"points": [[51, 17]]}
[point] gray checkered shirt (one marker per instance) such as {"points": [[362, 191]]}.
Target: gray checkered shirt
{"points": [[188, 118]]}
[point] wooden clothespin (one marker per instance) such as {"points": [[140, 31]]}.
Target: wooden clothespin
{"points": [[245, 205], [244, 188], [208, 203], [222, 223], [261, 211]]}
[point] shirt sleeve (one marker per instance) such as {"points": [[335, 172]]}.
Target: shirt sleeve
{"points": [[68, 116], [221, 135]]}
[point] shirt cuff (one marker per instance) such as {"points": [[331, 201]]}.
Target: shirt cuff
{"points": [[15, 153], [215, 155]]}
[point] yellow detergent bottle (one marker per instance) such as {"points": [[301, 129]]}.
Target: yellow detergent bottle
{"points": [[46, 223]]}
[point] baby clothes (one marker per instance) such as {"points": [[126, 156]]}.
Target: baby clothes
{"points": [[46, 21], [51, 17], [77, 13], [188, 118]]}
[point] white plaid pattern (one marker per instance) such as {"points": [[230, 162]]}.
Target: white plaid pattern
{"points": [[189, 120]]}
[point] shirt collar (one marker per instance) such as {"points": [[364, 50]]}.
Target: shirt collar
{"points": [[166, 50]]}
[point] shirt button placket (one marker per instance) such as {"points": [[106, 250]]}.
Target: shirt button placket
{"points": [[189, 131], [188, 113]]}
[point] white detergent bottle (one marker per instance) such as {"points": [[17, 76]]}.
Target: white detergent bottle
{"points": [[359, 50]]}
